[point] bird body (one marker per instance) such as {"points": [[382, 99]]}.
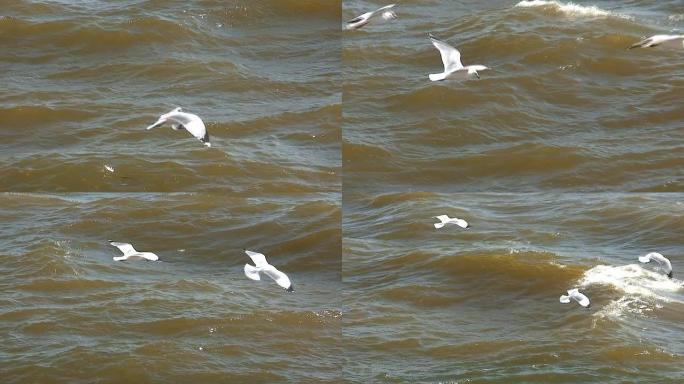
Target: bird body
{"points": [[444, 220], [129, 253], [665, 41], [451, 58], [384, 13], [663, 261], [262, 266], [576, 295], [183, 120]]}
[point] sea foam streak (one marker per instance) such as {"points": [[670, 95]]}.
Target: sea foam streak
{"points": [[568, 8]]}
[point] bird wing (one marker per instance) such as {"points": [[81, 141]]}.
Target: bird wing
{"points": [[441, 217], [125, 248], [279, 277], [382, 10], [461, 223], [582, 299], [252, 272], [196, 128], [159, 122], [451, 57], [362, 17], [258, 259]]}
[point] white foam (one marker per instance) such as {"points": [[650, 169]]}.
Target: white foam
{"points": [[641, 290], [569, 8], [633, 279]]}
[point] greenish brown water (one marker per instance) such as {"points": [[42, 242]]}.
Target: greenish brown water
{"points": [[564, 107], [69, 314], [331, 151]]}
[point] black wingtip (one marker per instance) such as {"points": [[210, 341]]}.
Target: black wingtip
{"points": [[290, 288], [669, 275]]}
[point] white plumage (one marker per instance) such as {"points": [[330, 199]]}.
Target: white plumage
{"points": [[262, 266], [663, 261], [576, 295], [129, 253], [444, 220], [183, 120], [451, 58], [665, 41], [384, 13]]}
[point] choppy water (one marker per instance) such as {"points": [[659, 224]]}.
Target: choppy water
{"points": [[330, 153], [564, 107], [481, 305], [82, 80], [69, 314]]}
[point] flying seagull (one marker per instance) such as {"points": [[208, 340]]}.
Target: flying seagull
{"points": [[660, 259], [131, 254], [386, 13], [262, 266], [451, 58], [666, 41], [576, 295], [447, 220], [183, 120]]}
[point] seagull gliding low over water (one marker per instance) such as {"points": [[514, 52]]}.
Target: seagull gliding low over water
{"points": [[451, 58], [262, 266], [386, 13], [183, 120]]}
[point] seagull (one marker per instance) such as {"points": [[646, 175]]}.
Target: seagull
{"points": [[576, 295], [183, 120], [660, 259], [130, 253], [262, 266], [447, 220], [666, 41], [385, 12], [451, 57]]}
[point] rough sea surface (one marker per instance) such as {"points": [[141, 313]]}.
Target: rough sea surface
{"points": [[426, 305], [331, 152], [82, 80], [564, 107], [70, 314]]}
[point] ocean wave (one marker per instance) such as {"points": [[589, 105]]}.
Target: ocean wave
{"points": [[640, 289], [570, 9]]}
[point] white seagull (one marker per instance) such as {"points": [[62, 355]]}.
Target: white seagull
{"points": [[183, 120], [660, 259], [576, 295], [130, 253], [666, 41], [262, 266], [451, 58], [447, 220], [386, 13]]}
